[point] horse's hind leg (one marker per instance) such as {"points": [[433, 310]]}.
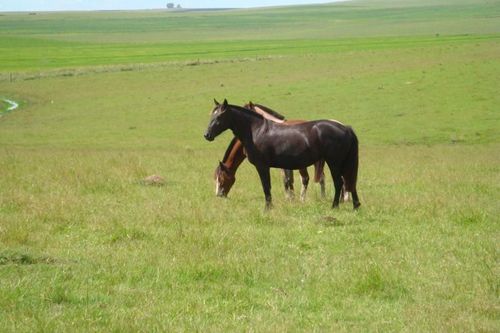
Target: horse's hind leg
{"points": [[344, 195], [288, 183], [355, 199], [337, 182], [319, 175], [322, 185], [305, 182]]}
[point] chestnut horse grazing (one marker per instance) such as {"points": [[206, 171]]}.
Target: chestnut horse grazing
{"points": [[269, 144], [225, 173]]}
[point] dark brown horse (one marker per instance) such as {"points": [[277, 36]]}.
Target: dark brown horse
{"points": [[270, 144], [225, 173]]}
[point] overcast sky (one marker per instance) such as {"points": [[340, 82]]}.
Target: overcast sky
{"points": [[50, 5]]}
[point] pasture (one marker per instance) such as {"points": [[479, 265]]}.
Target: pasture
{"points": [[108, 98]]}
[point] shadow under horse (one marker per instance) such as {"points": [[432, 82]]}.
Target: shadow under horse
{"points": [[269, 144]]}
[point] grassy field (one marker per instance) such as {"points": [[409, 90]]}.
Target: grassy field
{"points": [[108, 98]]}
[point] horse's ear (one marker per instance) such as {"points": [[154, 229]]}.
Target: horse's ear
{"points": [[215, 101], [222, 166], [251, 105], [224, 105]]}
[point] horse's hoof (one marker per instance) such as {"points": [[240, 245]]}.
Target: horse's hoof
{"points": [[356, 206]]}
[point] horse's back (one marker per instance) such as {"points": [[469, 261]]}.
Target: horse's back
{"points": [[329, 129]]}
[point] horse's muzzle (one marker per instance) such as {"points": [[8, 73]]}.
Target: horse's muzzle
{"points": [[208, 137], [221, 195]]}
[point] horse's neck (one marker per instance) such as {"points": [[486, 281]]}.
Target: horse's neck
{"points": [[235, 157], [244, 124]]}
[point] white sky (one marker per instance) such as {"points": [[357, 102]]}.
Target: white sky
{"points": [[51, 5]]}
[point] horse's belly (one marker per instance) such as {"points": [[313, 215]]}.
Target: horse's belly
{"points": [[285, 153], [292, 165], [284, 161]]}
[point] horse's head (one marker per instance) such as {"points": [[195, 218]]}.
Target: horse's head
{"points": [[219, 120], [224, 180]]}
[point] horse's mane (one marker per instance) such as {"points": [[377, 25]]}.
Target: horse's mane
{"points": [[229, 149], [270, 111], [249, 112]]}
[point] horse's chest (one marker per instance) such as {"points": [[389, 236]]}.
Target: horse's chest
{"points": [[254, 155]]}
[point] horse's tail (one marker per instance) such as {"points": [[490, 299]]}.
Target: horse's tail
{"points": [[350, 172], [319, 166]]}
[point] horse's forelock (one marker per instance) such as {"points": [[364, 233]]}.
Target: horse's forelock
{"points": [[213, 110], [217, 107]]}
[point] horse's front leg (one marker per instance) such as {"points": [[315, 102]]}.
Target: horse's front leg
{"points": [[305, 182], [265, 179]]}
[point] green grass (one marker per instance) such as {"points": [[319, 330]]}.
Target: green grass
{"points": [[4, 106], [85, 246]]}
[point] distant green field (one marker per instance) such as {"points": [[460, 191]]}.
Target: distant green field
{"points": [[108, 98], [34, 42]]}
